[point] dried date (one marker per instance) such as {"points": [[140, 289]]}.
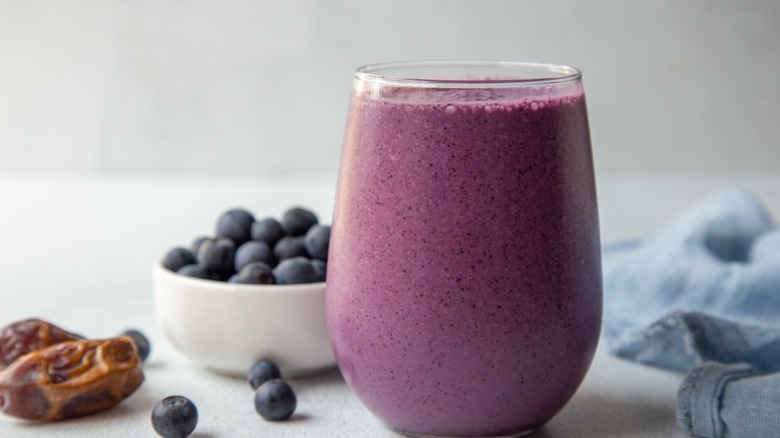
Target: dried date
{"points": [[70, 379], [26, 336]]}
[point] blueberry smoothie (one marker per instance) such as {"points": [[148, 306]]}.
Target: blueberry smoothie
{"points": [[464, 280]]}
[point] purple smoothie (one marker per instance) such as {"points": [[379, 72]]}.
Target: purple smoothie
{"points": [[464, 280]]}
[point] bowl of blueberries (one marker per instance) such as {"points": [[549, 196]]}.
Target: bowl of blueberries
{"points": [[255, 289]]}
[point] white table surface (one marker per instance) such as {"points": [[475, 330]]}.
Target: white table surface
{"points": [[78, 251]]}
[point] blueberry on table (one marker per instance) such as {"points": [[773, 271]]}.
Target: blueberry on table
{"points": [[297, 221], [216, 255], [317, 241], [267, 230], [176, 258], [261, 372], [194, 271], [321, 268], [255, 273], [235, 224], [275, 400], [295, 271], [289, 247], [253, 251], [174, 417], [141, 342]]}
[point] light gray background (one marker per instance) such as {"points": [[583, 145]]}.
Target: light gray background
{"points": [[260, 88]]}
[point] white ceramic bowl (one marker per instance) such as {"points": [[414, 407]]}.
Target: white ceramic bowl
{"points": [[228, 327]]}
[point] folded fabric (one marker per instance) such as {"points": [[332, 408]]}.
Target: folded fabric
{"points": [[702, 295], [682, 340], [735, 401], [720, 257]]}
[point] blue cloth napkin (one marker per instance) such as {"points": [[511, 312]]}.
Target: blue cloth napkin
{"points": [[729, 400], [702, 295]]}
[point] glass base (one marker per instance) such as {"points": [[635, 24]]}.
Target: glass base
{"points": [[423, 435]]}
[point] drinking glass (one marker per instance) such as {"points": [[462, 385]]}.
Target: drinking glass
{"points": [[464, 278]]}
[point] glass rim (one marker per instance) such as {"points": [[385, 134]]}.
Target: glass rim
{"points": [[545, 74]]}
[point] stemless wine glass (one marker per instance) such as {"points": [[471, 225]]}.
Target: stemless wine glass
{"points": [[464, 277]]}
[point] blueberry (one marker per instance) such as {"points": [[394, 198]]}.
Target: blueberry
{"points": [[261, 372], [233, 279], [196, 245], [174, 417], [275, 400], [176, 258], [289, 247], [267, 230], [297, 221], [253, 251], [222, 276], [317, 241], [255, 273], [216, 255], [320, 267], [140, 341], [294, 271], [194, 271], [235, 224]]}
